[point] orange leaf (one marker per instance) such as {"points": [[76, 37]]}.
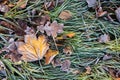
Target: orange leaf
{"points": [[70, 35], [33, 49], [50, 55]]}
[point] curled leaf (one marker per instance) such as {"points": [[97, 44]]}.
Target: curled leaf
{"points": [[50, 55], [34, 48]]}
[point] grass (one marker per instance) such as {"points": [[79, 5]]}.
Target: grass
{"points": [[86, 50]]}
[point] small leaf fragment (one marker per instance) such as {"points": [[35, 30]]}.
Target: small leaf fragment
{"points": [[117, 12], [65, 66], [104, 38], [107, 57], [88, 70], [49, 56], [65, 15], [56, 62], [67, 50], [70, 35], [91, 3]]}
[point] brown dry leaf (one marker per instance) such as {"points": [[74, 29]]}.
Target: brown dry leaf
{"points": [[91, 3], [22, 3], [65, 66], [11, 50], [56, 62], [17, 30], [88, 70], [13, 56], [34, 48], [44, 19], [12, 45], [67, 50], [117, 12], [104, 38], [50, 55], [65, 15], [70, 35], [100, 12], [115, 73], [51, 29]]}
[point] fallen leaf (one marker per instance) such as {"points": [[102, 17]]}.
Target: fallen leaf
{"points": [[74, 71], [104, 38], [34, 48], [17, 30], [65, 66], [88, 70], [100, 12], [3, 73], [22, 3], [4, 8], [29, 31], [107, 57], [51, 29], [65, 15], [67, 50], [115, 73], [13, 56], [117, 12], [91, 3], [49, 5], [56, 62], [50, 55], [11, 50], [44, 19], [70, 35]]}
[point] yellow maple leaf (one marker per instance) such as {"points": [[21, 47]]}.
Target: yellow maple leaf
{"points": [[50, 55], [34, 48]]}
